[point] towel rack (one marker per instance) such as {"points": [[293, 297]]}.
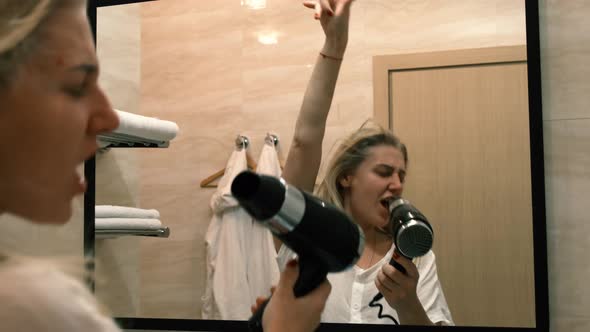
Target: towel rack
{"points": [[163, 232], [119, 140]]}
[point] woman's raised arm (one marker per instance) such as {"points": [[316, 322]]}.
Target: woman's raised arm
{"points": [[304, 158]]}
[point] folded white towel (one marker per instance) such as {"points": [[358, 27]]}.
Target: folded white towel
{"points": [[126, 223], [101, 144], [113, 211], [147, 127]]}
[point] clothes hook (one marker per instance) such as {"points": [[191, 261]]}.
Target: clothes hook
{"points": [[272, 139], [242, 142]]}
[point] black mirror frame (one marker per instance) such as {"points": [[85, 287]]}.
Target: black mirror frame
{"points": [[538, 208]]}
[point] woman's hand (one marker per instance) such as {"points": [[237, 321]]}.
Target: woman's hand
{"points": [[334, 16], [285, 312], [260, 300], [399, 290]]}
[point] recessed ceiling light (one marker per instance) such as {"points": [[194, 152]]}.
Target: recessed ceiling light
{"points": [[268, 37], [254, 4]]}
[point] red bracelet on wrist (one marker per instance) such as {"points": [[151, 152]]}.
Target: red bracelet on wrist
{"points": [[330, 57]]}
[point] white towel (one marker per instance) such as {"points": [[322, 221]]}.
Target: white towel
{"points": [[147, 127], [227, 294], [222, 199], [268, 162], [113, 211], [127, 223], [263, 269]]}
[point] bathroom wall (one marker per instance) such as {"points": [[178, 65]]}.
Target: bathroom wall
{"points": [[204, 66], [117, 170], [565, 48]]}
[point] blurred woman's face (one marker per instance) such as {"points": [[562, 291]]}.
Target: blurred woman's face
{"points": [[50, 115]]}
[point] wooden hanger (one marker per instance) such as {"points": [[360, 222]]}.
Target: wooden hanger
{"points": [[241, 143], [208, 181]]}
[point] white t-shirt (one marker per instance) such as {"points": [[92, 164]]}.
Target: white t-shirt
{"points": [[37, 296], [354, 289]]}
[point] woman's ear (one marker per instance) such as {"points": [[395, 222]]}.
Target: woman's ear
{"points": [[345, 181]]}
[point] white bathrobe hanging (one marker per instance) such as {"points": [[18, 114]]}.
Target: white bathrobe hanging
{"points": [[227, 295], [263, 269]]}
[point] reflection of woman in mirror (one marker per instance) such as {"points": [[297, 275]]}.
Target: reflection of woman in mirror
{"points": [[366, 170], [52, 110]]}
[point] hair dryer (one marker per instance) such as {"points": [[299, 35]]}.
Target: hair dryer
{"points": [[323, 236], [412, 234]]}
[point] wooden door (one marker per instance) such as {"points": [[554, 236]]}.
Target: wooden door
{"points": [[464, 117]]}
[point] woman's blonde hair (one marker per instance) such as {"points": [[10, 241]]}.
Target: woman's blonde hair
{"points": [[350, 153], [20, 21]]}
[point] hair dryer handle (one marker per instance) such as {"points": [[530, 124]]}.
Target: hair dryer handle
{"points": [[311, 275], [398, 266], [255, 322]]}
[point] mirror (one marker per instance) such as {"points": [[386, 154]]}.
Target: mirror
{"points": [[227, 68]]}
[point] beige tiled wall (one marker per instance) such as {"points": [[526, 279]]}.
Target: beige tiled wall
{"points": [[203, 67], [565, 48], [117, 177]]}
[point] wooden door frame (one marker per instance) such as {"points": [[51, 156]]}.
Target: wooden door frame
{"points": [[383, 65]]}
